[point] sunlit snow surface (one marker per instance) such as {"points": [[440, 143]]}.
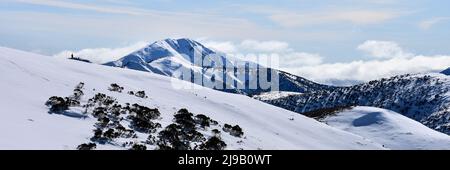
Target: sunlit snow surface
{"points": [[389, 128], [27, 80]]}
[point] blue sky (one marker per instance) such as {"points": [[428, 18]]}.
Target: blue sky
{"points": [[330, 29]]}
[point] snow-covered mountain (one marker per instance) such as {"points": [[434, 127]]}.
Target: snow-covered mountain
{"points": [[388, 128], [169, 56], [446, 71], [422, 97], [29, 80]]}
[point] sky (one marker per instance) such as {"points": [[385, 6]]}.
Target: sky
{"points": [[322, 40]]}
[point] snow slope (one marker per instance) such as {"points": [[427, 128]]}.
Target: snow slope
{"points": [[389, 128], [422, 97], [27, 80]]}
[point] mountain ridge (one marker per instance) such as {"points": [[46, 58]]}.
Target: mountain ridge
{"points": [[446, 71], [422, 97]]}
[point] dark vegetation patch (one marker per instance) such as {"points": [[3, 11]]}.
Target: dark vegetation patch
{"points": [[185, 133], [320, 114]]}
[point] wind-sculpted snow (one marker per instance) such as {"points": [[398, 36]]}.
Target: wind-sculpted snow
{"points": [[28, 80], [389, 128], [422, 97]]}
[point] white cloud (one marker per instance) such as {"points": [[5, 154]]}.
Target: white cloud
{"points": [[247, 46], [118, 7], [223, 46], [360, 17], [390, 59], [427, 24], [296, 59], [371, 70], [88, 7], [102, 55], [264, 46], [383, 49], [251, 49]]}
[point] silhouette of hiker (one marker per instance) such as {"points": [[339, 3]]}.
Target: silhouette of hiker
{"points": [[71, 56]]}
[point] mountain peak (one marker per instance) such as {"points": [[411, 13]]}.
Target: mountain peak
{"points": [[175, 40]]}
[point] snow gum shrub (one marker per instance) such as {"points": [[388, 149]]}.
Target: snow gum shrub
{"points": [[116, 110], [188, 126], [144, 112], [216, 132], [323, 113], [111, 134], [101, 100], [236, 131], [98, 136], [80, 86], [102, 122], [184, 118], [116, 88], [141, 94], [103, 137], [125, 133], [60, 104], [151, 140], [213, 143], [204, 121], [99, 112], [181, 134], [233, 130], [138, 147], [78, 91], [57, 104], [87, 146], [144, 126], [227, 127], [72, 102], [170, 139], [141, 117]]}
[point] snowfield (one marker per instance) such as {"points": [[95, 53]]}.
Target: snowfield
{"points": [[388, 128], [27, 81]]}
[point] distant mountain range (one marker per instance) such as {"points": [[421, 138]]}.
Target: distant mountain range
{"points": [[446, 72], [422, 97]]}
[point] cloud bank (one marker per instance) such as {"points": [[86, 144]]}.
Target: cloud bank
{"points": [[384, 49], [386, 59]]}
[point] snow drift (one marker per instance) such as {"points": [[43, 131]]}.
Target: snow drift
{"points": [[388, 128]]}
